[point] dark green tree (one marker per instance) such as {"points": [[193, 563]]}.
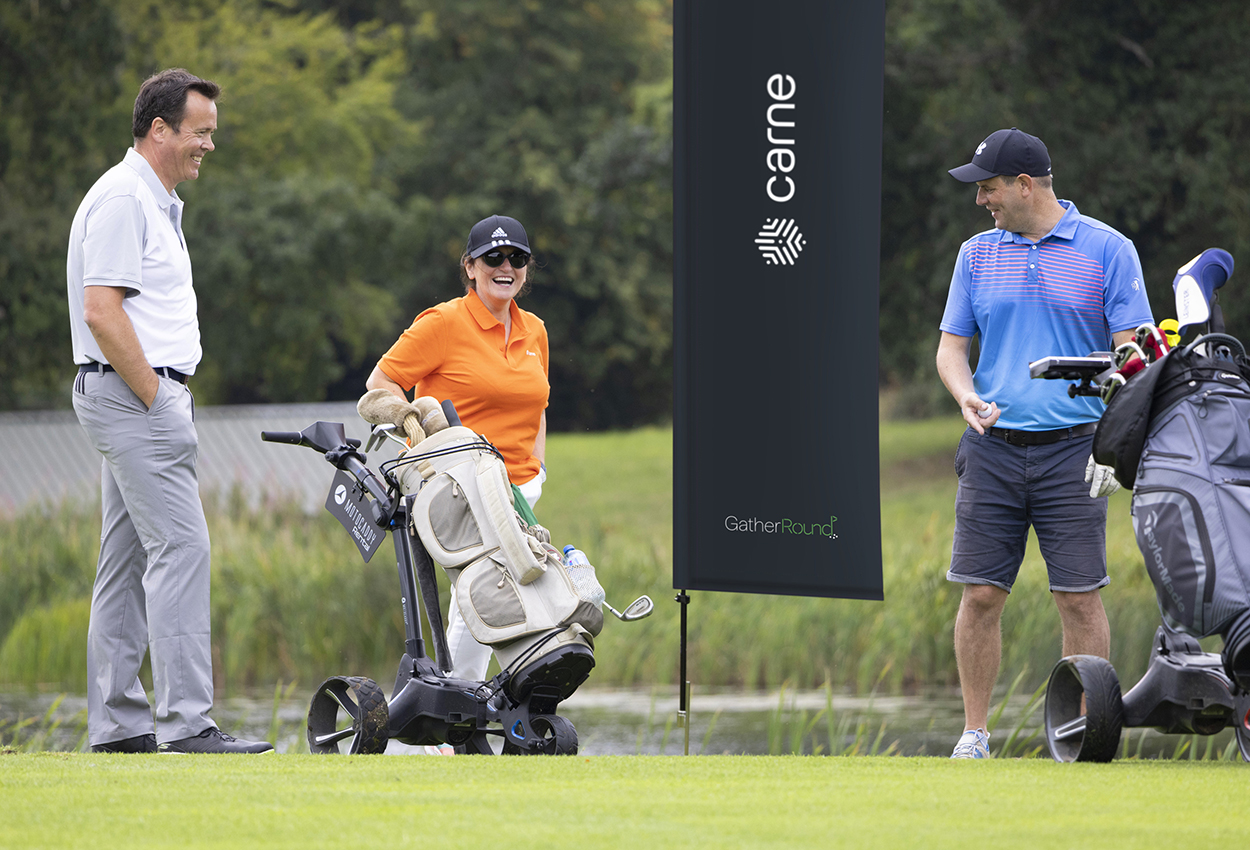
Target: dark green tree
{"points": [[291, 223], [60, 67], [1144, 106], [360, 139], [557, 113]]}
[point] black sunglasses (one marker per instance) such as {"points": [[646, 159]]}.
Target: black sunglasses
{"points": [[494, 259]]}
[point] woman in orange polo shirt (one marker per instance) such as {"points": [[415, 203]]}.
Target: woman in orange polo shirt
{"points": [[489, 357]]}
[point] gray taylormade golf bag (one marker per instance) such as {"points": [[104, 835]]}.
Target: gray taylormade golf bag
{"points": [[1176, 431], [1178, 434], [516, 595]]}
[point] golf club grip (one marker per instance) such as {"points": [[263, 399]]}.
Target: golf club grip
{"points": [[292, 437], [449, 410]]}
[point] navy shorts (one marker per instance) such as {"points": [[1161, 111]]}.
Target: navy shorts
{"points": [[1003, 489]]}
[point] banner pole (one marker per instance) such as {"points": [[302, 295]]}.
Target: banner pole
{"points": [[683, 699]]}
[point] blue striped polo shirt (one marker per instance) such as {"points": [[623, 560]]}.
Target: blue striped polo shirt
{"points": [[1064, 295]]}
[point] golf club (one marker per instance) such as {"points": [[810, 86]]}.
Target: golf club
{"points": [[378, 434], [639, 608]]}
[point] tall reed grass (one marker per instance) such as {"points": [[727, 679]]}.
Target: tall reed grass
{"points": [[292, 601], [41, 733]]}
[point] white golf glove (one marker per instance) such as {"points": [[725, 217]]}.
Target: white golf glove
{"points": [[1101, 479]]}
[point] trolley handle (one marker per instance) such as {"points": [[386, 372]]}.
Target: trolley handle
{"points": [[331, 440], [303, 438], [349, 460], [449, 410], [295, 438]]}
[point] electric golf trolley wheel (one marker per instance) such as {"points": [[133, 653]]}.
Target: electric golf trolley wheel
{"points": [[1094, 735], [556, 737], [364, 718]]}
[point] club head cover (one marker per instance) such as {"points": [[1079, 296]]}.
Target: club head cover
{"points": [[381, 407], [1195, 284], [433, 419]]}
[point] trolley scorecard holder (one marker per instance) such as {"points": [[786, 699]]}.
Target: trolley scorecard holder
{"points": [[348, 504]]}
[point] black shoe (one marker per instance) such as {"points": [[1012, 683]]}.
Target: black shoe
{"points": [[213, 740], [137, 744]]}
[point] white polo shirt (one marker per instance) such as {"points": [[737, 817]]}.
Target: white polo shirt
{"points": [[128, 233]]}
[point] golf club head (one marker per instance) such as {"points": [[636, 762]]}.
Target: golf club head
{"points": [[377, 435], [1195, 284], [639, 608]]}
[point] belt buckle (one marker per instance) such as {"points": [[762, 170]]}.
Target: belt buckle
{"points": [[1007, 435]]}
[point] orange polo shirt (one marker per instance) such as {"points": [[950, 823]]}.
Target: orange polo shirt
{"points": [[456, 351]]}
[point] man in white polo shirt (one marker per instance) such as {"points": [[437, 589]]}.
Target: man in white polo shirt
{"points": [[136, 341]]}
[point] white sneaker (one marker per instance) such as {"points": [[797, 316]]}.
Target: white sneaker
{"points": [[973, 744]]}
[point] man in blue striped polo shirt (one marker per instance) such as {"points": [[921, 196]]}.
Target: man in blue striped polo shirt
{"points": [[1046, 280]]}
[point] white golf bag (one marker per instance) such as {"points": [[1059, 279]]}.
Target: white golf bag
{"points": [[512, 588]]}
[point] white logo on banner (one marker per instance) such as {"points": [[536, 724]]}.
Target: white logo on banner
{"points": [[340, 494], [780, 241]]}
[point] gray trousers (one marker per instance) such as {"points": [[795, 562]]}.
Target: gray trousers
{"points": [[152, 581]]}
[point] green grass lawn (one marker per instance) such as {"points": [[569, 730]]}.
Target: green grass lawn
{"points": [[86, 801]]}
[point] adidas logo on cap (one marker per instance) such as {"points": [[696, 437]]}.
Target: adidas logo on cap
{"points": [[496, 231]]}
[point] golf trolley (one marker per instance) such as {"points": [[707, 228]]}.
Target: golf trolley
{"points": [[1184, 691], [427, 706], [1172, 431]]}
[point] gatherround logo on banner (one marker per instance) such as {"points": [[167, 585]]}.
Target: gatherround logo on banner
{"points": [[755, 525], [340, 494], [780, 241]]}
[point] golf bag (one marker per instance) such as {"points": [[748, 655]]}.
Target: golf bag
{"points": [[512, 587], [1179, 435]]}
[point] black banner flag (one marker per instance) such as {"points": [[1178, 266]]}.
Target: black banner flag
{"points": [[777, 134]]}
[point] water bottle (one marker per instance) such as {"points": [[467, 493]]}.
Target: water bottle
{"points": [[574, 557], [582, 574]]}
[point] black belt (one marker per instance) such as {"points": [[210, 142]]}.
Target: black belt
{"points": [[164, 371], [1042, 438]]}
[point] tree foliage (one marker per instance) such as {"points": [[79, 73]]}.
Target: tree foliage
{"points": [[358, 142], [360, 139], [59, 77], [558, 114], [1144, 106], [290, 225]]}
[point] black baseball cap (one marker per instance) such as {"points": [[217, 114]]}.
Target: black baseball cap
{"points": [[495, 232], [1006, 152]]}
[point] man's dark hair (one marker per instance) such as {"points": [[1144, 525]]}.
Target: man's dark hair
{"points": [[164, 95]]}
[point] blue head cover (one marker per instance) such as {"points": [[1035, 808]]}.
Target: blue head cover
{"points": [[1195, 284]]}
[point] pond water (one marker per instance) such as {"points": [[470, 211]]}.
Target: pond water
{"points": [[639, 722]]}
